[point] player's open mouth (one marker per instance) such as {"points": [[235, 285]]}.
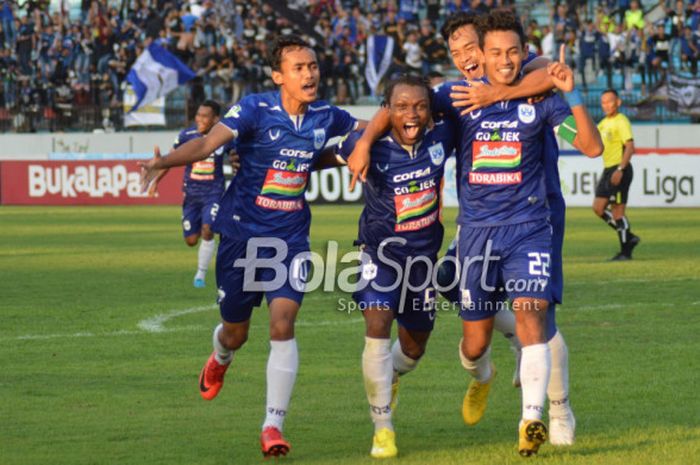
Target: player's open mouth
{"points": [[470, 68], [411, 130], [309, 88]]}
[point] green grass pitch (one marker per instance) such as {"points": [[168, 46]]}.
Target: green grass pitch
{"points": [[82, 381]]}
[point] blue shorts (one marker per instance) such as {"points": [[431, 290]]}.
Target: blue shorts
{"points": [[238, 296], [198, 210], [410, 298], [504, 262]]}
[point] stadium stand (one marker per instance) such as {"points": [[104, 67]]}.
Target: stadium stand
{"points": [[64, 68]]}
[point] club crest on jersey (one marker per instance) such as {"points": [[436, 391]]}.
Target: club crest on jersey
{"points": [[437, 153], [319, 138], [526, 113]]}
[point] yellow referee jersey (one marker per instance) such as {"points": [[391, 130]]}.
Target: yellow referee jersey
{"points": [[615, 132]]}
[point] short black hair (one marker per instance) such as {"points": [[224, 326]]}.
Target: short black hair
{"points": [[282, 42], [214, 105], [611, 91], [456, 21], [500, 20], [408, 80]]}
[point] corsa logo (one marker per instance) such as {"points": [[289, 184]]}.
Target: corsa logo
{"points": [[286, 183], [496, 154]]}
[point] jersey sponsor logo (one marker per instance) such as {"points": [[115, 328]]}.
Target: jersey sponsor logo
{"points": [[319, 138], [496, 154], [437, 153], [415, 225], [382, 168], [414, 186], [274, 135], [498, 136], [411, 175], [286, 183], [276, 204], [291, 165], [203, 170], [415, 204], [526, 113], [499, 124], [296, 153], [234, 112], [495, 178]]}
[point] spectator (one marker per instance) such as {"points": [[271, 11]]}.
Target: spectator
{"points": [[634, 17], [690, 51], [587, 39]]}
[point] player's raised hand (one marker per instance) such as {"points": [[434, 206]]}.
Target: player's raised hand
{"points": [[358, 163], [475, 96], [149, 172], [562, 75]]}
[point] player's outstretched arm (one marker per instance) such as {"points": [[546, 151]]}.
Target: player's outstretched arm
{"points": [[189, 152], [585, 135], [480, 95], [358, 162]]}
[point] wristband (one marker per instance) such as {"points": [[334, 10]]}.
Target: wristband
{"points": [[573, 98]]}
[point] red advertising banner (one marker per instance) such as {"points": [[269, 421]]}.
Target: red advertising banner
{"points": [[82, 183]]}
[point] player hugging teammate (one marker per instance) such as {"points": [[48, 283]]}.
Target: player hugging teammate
{"points": [[503, 151]]}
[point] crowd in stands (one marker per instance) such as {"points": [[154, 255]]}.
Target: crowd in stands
{"points": [[51, 60]]}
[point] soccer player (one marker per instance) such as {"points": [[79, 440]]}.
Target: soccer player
{"points": [[461, 35], [263, 217], [203, 185], [400, 234], [614, 185], [505, 244]]}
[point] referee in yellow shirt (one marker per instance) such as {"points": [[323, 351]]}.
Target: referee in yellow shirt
{"points": [[614, 185]]}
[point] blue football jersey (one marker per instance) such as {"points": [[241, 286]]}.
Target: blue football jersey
{"points": [[501, 158], [204, 177], [402, 192], [277, 151]]}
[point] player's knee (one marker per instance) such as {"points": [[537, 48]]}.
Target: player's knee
{"points": [[414, 351], [207, 233], [233, 340], [598, 209], [192, 240], [282, 329], [473, 350]]}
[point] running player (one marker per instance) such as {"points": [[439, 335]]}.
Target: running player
{"points": [[203, 185], [505, 243], [400, 235], [614, 185], [263, 217]]}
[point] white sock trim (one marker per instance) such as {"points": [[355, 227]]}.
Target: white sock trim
{"points": [[480, 369], [204, 256], [558, 386], [534, 378], [377, 371], [282, 367], [223, 355], [402, 363]]}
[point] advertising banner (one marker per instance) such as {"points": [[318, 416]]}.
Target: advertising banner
{"points": [[662, 178], [82, 183]]}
